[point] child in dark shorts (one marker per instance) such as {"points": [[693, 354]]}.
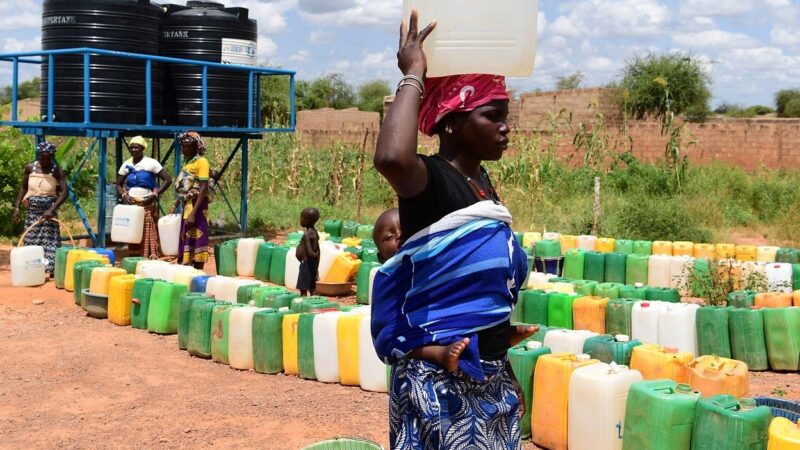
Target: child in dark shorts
{"points": [[307, 253]]}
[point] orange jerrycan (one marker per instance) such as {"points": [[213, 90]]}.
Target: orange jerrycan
{"points": [[549, 423], [589, 313], [289, 334], [746, 253], [725, 251], [120, 292], [604, 245], [656, 362], [711, 375], [704, 251], [773, 300], [567, 242], [683, 248], [662, 248]]}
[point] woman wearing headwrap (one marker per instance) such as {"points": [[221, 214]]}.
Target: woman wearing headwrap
{"points": [[459, 269], [43, 190], [137, 184], [193, 192]]}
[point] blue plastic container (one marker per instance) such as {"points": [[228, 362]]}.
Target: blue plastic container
{"points": [[199, 283]]}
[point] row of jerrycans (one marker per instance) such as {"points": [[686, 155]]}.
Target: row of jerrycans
{"points": [[708, 374], [330, 347], [580, 403]]}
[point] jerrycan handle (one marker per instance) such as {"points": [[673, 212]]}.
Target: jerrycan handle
{"points": [[731, 404]]}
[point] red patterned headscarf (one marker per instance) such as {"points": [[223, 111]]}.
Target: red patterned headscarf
{"points": [[462, 93]]}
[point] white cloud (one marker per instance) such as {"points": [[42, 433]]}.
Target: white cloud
{"points": [[714, 39], [785, 36], [20, 14], [15, 45], [300, 56], [320, 37], [612, 18], [352, 12], [600, 64], [715, 8], [759, 59], [271, 15], [267, 49], [555, 42]]}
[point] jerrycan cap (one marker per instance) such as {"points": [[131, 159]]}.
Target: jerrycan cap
{"points": [[644, 304], [746, 404], [583, 357], [638, 285], [283, 309], [533, 345], [670, 350], [622, 338], [683, 389]]}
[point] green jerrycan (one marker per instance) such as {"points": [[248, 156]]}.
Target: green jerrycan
{"points": [[523, 360], [140, 302], [724, 423], [199, 340], [659, 415], [268, 341]]}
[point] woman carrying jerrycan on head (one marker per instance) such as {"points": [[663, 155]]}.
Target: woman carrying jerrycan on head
{"points": [[457, 274]]}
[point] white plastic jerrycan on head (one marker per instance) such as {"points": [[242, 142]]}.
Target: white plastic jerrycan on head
{"points": [[478, 36], [169, 233], [127, 224], [27, 266]]}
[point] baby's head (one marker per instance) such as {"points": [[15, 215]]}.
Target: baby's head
{"points": [[309, 217], [386, 234]]}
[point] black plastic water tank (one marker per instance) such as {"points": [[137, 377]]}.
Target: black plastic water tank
{"points": [[117, 86], [207, 31]]}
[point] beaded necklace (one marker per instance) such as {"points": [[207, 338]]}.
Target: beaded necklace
{"points": [[478, 190]]}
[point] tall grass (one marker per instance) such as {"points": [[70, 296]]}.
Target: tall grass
{"points": [[638, 200]]}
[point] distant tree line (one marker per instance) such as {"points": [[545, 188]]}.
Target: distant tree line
{"points": [[26, 89]]}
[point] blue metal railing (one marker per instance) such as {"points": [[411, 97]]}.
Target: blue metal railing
{"points": [[254, 76]]}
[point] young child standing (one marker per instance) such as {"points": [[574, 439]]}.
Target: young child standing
{"points": [[386, 234], [308, 252]]}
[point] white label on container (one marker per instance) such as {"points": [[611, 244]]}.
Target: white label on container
{"points": [[239, 52]]}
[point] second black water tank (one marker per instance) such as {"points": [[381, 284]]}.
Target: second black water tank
{"points": [[117, 86], [207, 31]]}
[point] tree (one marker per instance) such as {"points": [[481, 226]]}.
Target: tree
{"points": [[782, 100], [656, 85], [275, 100], [569, 82], [792, 108], [371, 94], [329, 91], [26, 89]]}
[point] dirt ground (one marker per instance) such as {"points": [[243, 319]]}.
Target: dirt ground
{"points": [[70, 381]]}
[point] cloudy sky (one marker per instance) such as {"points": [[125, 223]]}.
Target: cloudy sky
{"points": [[751, 48]]}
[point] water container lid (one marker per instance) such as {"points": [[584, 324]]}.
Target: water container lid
{"points": [[533, 345], [683, 389], [638, 285], [644, 304], [583, 357], [622, 338], [670, 350], [283, 308], [746, 404]]}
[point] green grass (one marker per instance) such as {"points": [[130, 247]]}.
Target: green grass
{"points": [[639, 201]]}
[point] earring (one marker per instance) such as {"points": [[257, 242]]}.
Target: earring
{"points": [[448, 129]]}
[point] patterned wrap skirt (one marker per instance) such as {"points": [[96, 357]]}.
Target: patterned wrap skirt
{"points": [[194, 240], [430, 408], [47, 234], [150, 247]]}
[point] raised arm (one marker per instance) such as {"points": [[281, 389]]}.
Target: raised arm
{"points": [[396, 153]]}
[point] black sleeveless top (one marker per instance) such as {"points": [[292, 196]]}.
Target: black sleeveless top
{"points": [[448, 191]]}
